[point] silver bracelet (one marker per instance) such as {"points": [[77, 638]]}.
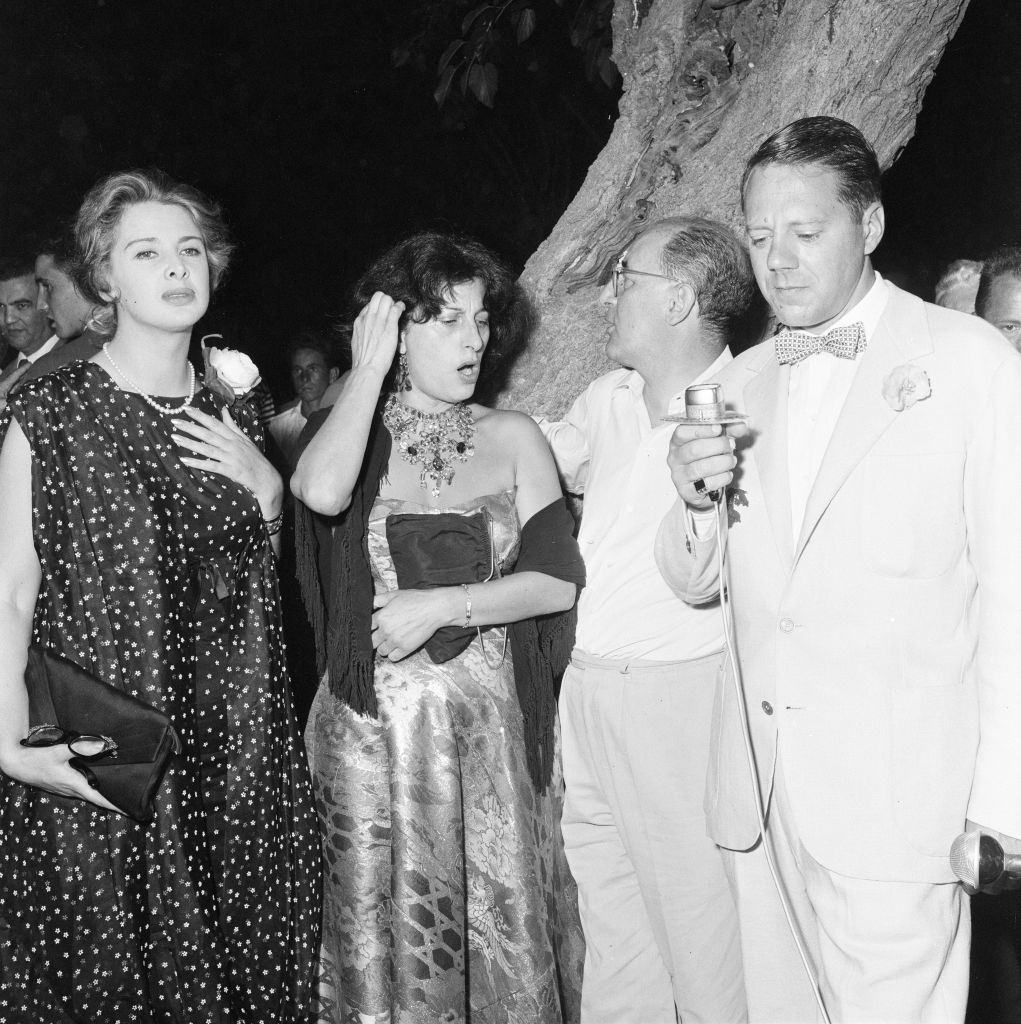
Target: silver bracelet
{"points": [[274, 525], [467, 606]]}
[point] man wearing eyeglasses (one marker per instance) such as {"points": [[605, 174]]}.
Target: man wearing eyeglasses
{"points": [[636, 701]]}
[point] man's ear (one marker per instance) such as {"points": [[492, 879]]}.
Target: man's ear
{"points": [[681, 304], [873, 224], [334, 373]]}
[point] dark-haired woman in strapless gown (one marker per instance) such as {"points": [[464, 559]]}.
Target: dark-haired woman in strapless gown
{"points": [[437, 774]]}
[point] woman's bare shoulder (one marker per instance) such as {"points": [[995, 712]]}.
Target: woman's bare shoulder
{"points": [[505, 423]]}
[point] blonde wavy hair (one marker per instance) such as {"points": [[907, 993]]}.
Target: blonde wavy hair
{"points": [[96, 225]]}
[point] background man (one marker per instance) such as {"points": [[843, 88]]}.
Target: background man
{"points": [[875, 587], [999, 293], [958, 285], [66, 307], [24, 325], [636, 702], [313, 369]]}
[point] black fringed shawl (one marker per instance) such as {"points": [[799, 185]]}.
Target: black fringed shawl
{"points": [[336, 584]]}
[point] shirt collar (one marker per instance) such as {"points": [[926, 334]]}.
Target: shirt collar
{"points": [[46, 346], [635, 383], [705, 377]]}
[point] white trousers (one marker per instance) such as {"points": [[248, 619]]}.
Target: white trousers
{"points": [[883, 952], [660, 925]]}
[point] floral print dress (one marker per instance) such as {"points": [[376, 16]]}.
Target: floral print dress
{"points": [[448, 897]]}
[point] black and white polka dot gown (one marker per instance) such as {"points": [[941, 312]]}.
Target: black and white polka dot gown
{"points": [[159, 580]]}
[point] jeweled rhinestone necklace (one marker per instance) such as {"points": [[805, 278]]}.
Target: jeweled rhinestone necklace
{"points": [[167, 410], [432, 440]]}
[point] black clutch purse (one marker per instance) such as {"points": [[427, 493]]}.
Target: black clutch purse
{"points": [[442, 549], [66, 704]]}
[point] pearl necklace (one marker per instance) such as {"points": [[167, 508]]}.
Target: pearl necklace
{"points": [[432, 440], [167, 410]]}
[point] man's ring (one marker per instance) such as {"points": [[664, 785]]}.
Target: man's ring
{"points": [[700, 487]]}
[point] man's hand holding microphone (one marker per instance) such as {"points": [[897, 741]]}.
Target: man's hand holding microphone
{"points": [[702, 455]]}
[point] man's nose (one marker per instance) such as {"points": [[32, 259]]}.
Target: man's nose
{"points": [[780, 255], [606, 296]]}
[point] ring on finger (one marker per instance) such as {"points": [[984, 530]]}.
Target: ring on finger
{"points": [[700, 487]]}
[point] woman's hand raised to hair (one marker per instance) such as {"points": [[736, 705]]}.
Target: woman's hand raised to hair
{"points": [[375, 335]]}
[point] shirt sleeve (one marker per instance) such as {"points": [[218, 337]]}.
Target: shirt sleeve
{"points": [[569, 441], [685, 552]]}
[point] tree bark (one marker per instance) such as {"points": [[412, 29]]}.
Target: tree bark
{"points": [[705, 81]]}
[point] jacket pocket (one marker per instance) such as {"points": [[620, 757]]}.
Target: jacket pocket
{"points": [[912, 516]]}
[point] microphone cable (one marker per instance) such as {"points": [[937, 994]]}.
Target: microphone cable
{"points": [[726, 610]]}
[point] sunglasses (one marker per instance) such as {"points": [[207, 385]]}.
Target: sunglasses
{"points": [[52, 736]]}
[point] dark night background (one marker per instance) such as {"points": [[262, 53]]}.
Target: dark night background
{"points": [[322, 152]]}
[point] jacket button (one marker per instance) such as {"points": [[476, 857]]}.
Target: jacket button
{"points": [[767, 707], [787, 625]]}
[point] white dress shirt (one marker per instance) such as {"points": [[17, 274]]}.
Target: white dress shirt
{"points": [[286, 427], [819, 386], [607, 449]]}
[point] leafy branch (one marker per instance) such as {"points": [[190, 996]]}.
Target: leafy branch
{"points": [[472, 61]]}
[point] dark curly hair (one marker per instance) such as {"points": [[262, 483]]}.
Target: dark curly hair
{"points": [[420, 271]]}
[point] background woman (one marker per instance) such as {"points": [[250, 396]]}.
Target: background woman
{"points": [[134, 512], [447, 896]]}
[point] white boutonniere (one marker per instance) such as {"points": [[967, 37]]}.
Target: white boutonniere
{"points": [[906, 385], [230, 374]]}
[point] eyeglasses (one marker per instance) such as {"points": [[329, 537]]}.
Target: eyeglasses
{"points": [[619, 270], [52, 736]]}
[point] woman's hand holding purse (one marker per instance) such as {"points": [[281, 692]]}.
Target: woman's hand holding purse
{"points": [[404, 619], [49, 768]]}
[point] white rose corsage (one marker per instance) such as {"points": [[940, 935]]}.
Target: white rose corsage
{"points": [[906, 385], [230, 374]]}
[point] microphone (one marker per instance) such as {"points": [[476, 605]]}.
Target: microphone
{"points": [[979, 861], [703, 406]]}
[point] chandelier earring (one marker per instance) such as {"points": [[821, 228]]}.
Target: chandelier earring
{"points": [[403, 377]]}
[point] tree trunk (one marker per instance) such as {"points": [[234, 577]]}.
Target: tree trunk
{"points": [[705, 81]]}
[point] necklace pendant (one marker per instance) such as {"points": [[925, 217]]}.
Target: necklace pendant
{"points": [[434, 441]]}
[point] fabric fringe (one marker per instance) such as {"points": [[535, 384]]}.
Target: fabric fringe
{"points": [[542, 646], [335, 550], [306, 557]]}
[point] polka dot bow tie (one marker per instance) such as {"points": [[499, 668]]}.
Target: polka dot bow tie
{"points": [[845, 342]]}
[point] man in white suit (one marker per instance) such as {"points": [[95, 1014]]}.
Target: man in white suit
{"points": [[876, 586]]}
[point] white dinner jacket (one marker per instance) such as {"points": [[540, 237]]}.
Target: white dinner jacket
{"points": [[881, 649]]}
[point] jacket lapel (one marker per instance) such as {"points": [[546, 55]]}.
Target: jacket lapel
{"points": [[900, 336], [765, 398]]}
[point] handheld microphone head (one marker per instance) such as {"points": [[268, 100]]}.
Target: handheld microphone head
{"points": [[979, 861], [704, 402], [965, 858]]}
